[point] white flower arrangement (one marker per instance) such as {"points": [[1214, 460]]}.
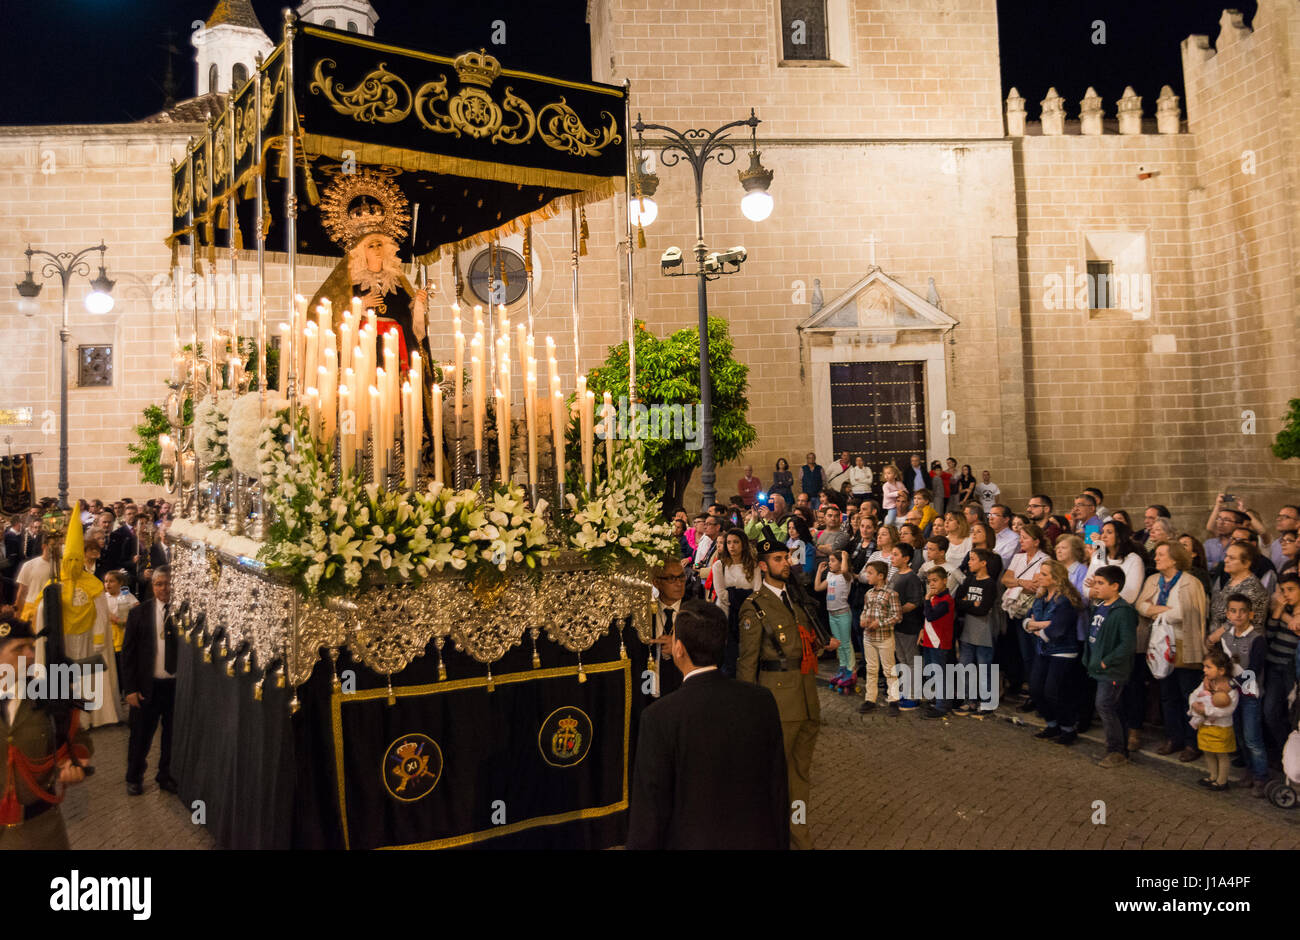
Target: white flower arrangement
{"points": [[212, 422], [328, 540], [621, 521], [215, 538], [244, 435]]}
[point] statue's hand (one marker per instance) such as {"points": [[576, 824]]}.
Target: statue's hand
{"points": [[373, 299]]}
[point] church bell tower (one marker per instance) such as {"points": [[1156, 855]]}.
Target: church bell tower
{"points": [[351, 16], [228, 45]]}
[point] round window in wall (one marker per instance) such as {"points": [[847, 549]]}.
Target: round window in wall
{"points": [[488, 286]]}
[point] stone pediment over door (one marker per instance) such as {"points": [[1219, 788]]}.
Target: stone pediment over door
{"points": [[879, 309]]}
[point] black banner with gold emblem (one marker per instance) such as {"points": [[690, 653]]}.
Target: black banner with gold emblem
{"points": [[451, 763]]}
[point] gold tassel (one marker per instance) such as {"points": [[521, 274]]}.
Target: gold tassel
{"points": [[176, 252], [491, 683], [528, 249], [640, 235], [392, 696], [582, 676], [583, 233], [236, 234]]}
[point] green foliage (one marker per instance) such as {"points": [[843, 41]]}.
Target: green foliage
{"points": [[147, 452], [668, 372], [1287, 444]]}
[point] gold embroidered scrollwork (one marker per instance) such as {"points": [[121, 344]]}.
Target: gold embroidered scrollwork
{"points": [[245, 128], [221, 150], [270, 88], [429, 94], [562, 129], [378, 99], [181, 197], [201, 187], [516, 133]]}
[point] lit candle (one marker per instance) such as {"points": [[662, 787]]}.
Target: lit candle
{"points": [[377, 465], [167, 450], [313, 413], [521, 335], [607, 423], [476, 379], [326, 383], [588, 442], [346, 345], [310, 359], [530, 412], [557, 434], [408, 436], [437, 433], [360, 380], [503, 436], [356, 311], [383, 438], [417, 404], [458, 374], [347, 428]]}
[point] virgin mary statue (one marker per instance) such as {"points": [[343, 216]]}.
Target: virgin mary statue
{"points": [[365, 213]]}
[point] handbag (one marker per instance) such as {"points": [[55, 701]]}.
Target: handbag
{"points": [[1162, 649], [1018, 606]]}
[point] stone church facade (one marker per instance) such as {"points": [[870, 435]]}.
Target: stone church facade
{"points": [[921, 282]]}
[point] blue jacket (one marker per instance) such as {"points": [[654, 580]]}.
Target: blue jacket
{"points": [[810, 481], [1061, 636]]}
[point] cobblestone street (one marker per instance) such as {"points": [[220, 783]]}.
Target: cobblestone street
{"points": [[966, 783], [878, 783]]}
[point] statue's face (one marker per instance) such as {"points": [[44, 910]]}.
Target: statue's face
{"points": [[377, 250]]}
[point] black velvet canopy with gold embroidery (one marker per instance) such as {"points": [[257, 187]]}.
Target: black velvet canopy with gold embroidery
{"points": [[479, 149]]}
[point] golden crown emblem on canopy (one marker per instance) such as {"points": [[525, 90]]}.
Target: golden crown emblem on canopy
{"points": [[365, 203], [477, 68]]}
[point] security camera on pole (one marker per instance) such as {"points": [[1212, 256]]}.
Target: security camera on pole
{"points": [[698, 146]]}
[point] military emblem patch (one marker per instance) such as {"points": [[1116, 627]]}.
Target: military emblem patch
{"points": [[412, 767], [565, 737]]}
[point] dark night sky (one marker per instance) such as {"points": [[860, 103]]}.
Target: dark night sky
{"points": [[103, 61]]}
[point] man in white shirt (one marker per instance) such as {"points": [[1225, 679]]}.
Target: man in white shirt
{"points": [[987, 492], [670, 586], [1007, 542], [704, 547], [33, 576], [838, 474]]}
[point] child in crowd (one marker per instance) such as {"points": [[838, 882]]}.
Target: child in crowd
{"points": [[120, 602], [1212, 704], [893, 493], [936, 554], [880, 614], [1248, 651], [976, 600], [836, 586], [936, 636]]}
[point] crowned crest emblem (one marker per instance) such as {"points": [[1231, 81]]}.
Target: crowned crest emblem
{"points": [[565, 737], [477, 68], [365, 203], [412, 767]]}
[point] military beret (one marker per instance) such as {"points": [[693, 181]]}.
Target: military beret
{"points": [[12, 628], [767, 543]]}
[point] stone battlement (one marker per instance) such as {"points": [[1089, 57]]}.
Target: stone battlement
{"points": [[1092, 121]]}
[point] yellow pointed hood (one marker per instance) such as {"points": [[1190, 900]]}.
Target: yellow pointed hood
{"points": [[74, 548]]}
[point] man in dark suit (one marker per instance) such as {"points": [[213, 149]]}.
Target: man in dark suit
{"points": [[670, 582], [149, 682], [121, 549], [710, 764]]}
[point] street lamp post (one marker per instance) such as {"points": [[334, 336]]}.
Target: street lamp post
{"points": [[698, 146], [66, 264]]}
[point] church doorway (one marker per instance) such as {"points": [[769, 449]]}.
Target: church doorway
{"points": [[878, 410]]}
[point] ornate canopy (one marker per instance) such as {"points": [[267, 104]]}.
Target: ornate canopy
{"points": [[476, 148]]}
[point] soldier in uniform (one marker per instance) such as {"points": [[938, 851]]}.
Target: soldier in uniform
{"points": [[34, 759], [779, 645]]}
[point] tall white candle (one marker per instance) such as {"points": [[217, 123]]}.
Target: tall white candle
{"points": [[408, 437], [458, 367], [284, 359], [377, 465], [588, 424], [503, 435], [313, 413], [347, 428], [557, 433], [478, 391], [530, 413], [437, 433], [607, 422], [347, 344], [382, 432], [417, 405]]}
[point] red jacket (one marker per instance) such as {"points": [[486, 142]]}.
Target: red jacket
{"points": [[748, 489], [938, 621]]}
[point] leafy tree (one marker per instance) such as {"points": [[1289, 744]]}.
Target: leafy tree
{"points": [[668, 373], [1287, 444], [148, 452]]}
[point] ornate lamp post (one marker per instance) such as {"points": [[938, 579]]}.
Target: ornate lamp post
{"points": [[65, 264], [698, 146]]}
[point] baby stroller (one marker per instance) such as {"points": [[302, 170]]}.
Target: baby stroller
{"points": [[1285, 793]]}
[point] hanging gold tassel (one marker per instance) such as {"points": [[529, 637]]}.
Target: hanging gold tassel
{"points": [[583, 233], [176, 252], [236, 234], [640, 235], [528, 249]]}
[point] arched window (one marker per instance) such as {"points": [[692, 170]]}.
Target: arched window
{"points": [[238, 75], [329, 24], [213, 75], [352, 27]]}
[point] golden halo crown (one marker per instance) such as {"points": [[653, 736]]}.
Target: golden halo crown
{"points": [[477, 68], [568, 724], [365, 203]]}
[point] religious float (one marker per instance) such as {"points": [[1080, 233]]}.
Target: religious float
{"points": [[411, 582]]}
